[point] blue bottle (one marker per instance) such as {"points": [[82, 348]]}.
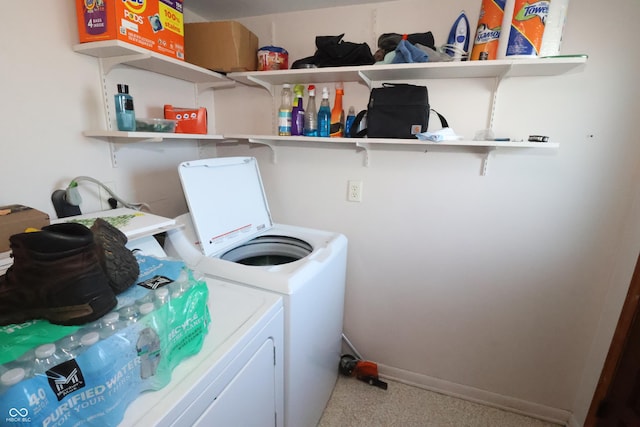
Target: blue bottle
{"points": [[324, 115], [125, 114]]}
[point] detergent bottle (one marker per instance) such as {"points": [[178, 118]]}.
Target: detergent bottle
{"points": [[284, 113], [337, 114], [297, 114]]}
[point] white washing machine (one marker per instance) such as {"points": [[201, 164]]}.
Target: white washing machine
{"points": [[229, 234]]}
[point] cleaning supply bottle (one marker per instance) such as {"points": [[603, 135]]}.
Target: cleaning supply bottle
{"points": [[297, 113], [125, 114], [324, 115], [337, 114], [351, 116], [311, 115], [284, 113]]}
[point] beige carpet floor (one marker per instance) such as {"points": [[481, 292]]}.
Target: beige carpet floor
{"points": [[357, 404]]}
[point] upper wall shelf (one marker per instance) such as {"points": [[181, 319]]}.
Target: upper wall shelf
{"points": [[499, 68], [115, 52], [130, 137], [366, 144]]}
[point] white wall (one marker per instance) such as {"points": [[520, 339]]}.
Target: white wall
{"points": [[505, 287], [52, 94]]}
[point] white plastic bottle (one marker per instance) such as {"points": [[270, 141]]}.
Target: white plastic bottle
{"points": [[285, 111]]}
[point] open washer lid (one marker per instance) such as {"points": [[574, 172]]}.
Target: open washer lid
{"points": [[226, 200]]}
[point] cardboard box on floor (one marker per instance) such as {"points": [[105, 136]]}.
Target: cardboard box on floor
{"points": [[223, 46], [16, 219]]}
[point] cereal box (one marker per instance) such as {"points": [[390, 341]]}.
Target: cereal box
{"points": [[156, 25]]}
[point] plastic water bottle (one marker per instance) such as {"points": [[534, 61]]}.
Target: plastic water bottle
{"points": [[146, 308], [311, 114], [161, 296], [46, 358], [89, 339], [284, 113], [68, 346], [180, 285], [129, 314], [324, 115], [10, 378], [110, 324]]}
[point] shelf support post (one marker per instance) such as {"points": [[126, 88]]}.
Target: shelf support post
{"points": [[485, 161], [494, 99]]}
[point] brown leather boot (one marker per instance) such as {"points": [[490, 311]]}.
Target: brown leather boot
{"points": [[56, 276], [118, 262]]}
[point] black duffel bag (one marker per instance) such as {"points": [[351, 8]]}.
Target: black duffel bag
{"points": [[395, 110]]}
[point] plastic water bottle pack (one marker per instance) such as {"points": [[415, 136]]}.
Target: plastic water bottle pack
{"points": [[89, 375]]}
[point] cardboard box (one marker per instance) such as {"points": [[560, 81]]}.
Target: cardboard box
{"points": [[16, 219], [223, 46], [157, 25]]}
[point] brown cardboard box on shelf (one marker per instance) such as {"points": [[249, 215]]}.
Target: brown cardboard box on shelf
{"points": [[223, 46], [16, 219]]}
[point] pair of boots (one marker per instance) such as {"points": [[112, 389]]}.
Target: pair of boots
{"points": [[66, 273]]}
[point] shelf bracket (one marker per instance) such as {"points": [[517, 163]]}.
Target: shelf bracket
{"points": [[365, 79], [364, 146], [485, 161], [201, 87], [107, 64], [264, 84], [494, 100], [113, 150], [274, 157]]}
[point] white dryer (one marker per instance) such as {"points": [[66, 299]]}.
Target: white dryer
{"points": [[229, 234]]}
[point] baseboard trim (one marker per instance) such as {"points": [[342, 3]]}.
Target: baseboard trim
{"points": [[523, 407]]}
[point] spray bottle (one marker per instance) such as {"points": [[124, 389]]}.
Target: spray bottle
{"points": [[351, 116], [311, 116], [297, 115], [324, 115], [337, 114]]}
